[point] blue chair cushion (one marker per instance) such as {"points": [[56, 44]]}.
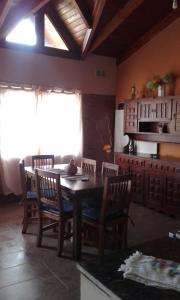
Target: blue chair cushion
{"points": [[31, 195], [93, 213], [92, 200], [68, 207]]}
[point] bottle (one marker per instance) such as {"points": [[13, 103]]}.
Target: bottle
{"points": [[131, 146], [133, 92]]}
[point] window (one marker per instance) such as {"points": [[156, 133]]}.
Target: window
{"points": [[44, 122], [52, 38], [23, 33]]}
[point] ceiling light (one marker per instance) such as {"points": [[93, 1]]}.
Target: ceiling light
{"points": [[175, 4]]}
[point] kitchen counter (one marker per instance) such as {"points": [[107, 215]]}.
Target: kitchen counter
{"points": [[103, 280]]}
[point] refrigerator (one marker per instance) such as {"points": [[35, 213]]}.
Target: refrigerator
{"points": [[121, 140]]}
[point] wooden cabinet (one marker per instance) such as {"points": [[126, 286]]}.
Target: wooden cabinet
{"points": [[130, 117], [155, 182], [156, 119]]}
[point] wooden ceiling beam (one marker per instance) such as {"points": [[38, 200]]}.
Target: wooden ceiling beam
{"points": [[84, 12], [149, 35], [5, 6], [62, 29], [22, 10], [97, 12], [115, 22]]}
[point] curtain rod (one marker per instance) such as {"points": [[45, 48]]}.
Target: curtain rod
{"points": [[31, 87]]}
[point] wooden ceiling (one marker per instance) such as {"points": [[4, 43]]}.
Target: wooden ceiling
{"points": [[114, 28]]}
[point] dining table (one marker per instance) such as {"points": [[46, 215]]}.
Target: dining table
{"points": [[78, 187]]}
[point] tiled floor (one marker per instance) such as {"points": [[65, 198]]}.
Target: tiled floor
{"points": [[31, 273]]}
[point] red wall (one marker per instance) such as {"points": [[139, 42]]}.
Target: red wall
{"points": [[158, 57]]}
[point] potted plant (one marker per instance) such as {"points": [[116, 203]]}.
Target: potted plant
{"points": [[158, 83]]}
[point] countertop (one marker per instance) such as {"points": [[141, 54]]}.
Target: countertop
{"points": [[104, 273]]}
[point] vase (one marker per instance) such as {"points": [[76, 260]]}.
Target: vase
{"points": [[169, 89], [160, 91]]}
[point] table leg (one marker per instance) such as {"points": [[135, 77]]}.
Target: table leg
{"points": [[77, 228]]}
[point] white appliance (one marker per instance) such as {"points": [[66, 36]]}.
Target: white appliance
{"points": [[121, 140]]}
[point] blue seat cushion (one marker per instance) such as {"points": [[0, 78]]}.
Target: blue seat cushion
{"points": [[92, 200], [93, 214], [68, 207], [31, 195]]}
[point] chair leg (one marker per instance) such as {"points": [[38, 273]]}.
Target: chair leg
{"points": [[124, 235], [61, 232], [101, 241], [40, 231], [25, 219]]}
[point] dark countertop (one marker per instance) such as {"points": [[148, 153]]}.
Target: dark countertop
{"points": [[105, 272]]}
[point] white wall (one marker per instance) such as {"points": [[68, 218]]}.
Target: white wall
{"points": [[31, 68]]}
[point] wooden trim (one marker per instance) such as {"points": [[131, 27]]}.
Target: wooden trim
{"points": [[90, 33], [4, 10], [39, 25], [62, 29], [20, 11], [115, 22], [42, 50], [149, 35], [84, 12], [155, 137]]}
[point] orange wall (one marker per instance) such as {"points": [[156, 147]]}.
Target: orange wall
{"points": [[158, 57]]}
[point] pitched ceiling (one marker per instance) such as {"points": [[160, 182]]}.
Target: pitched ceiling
{"points": [[114, 28]]}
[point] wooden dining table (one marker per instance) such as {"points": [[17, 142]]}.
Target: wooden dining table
{"points": [[78, 186]]}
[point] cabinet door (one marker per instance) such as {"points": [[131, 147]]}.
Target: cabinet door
{"points": [[130, 117], [154, 189], [123, 163], [155, 110], [176, 116], [171, 204], [136, 166], [138, 179]]}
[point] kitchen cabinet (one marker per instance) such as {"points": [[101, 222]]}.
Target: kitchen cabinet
{"points": [[155, 182], [156, 119]]}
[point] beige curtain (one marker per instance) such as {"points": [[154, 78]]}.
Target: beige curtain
{"points": [[36, 122]]}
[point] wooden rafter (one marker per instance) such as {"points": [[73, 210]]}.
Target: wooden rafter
{"points": [[5, 6], [90, 32], [22, 10], [149, 35], [115, 22], [84, 12], [62, 29]]}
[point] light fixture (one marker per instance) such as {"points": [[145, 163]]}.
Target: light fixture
{"points": [[175, 4]]}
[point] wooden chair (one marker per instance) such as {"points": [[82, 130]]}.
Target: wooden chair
{"points": [[109, 169], [111, 218], [88, 166], [52, 207], [29, 198], [39, 161]]}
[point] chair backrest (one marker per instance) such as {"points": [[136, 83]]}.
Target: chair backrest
{"points": [[48, 189], [109, 169], [116, 196], [39, 161], [88, 165]]}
